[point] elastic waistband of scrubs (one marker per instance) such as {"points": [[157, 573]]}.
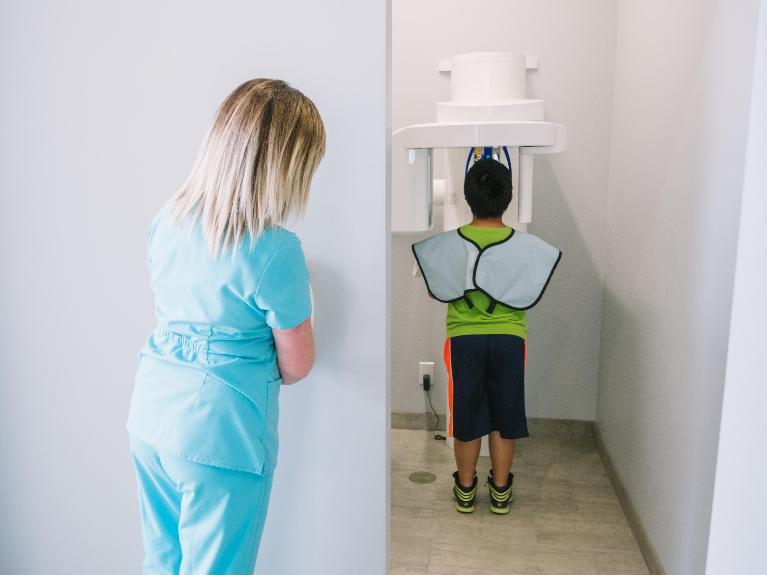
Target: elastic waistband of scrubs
{"points": [[185, 341], [207, 349]]}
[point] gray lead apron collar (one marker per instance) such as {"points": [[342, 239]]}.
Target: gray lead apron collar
{"points": [[513, 272]]}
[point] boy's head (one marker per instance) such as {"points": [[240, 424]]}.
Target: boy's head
{"points": [[487, 188]]}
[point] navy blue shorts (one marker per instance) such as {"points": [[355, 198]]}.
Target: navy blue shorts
{"points": [[486, 386]]}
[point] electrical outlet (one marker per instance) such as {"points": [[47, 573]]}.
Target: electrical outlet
{"points": [[425, 368]]}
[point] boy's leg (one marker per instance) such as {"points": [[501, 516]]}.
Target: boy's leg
{"points": [[501, 456], [465, 488], [466, 455], [469, 412], [506, 390]]}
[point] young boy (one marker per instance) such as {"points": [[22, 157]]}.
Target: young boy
{"points": [[489, 274]]}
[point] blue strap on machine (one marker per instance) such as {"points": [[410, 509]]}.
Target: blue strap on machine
{"points": [[487, 154]]}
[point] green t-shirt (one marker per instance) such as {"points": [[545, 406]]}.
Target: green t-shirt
{"points": [[465, 320]]}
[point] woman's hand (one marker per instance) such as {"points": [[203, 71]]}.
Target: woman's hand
{"points": [[295, 351]]}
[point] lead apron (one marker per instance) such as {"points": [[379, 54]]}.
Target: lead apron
{"points": [[513, 273]]}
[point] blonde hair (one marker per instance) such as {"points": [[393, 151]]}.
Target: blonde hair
{"points": [[255, 165]]}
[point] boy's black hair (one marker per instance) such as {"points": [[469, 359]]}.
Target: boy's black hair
{"points": [[487, 188]]}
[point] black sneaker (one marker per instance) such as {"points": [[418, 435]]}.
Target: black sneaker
{"points": [[500, 496], [464, 498]]}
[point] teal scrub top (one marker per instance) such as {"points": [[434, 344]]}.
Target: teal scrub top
{"points": [[208, 384]]}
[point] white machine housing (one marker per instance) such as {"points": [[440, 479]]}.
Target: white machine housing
{"points": [[488, 108]]}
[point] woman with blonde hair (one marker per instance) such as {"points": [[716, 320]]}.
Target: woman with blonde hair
{"points": [[233, 307]]}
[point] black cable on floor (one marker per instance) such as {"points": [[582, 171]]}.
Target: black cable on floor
{"points": [[437, 436]]}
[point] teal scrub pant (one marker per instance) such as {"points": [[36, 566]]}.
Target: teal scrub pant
{"points": [[198, 519]]}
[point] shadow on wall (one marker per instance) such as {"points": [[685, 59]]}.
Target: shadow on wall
{"points": [[417, 330], [331, 298], [622, 336], [564, 335], [301, 399], [641, 371]]}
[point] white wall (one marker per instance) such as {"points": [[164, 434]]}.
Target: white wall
{"points": [[103, 108], [737, 535], [575, 43], [681, 100]]}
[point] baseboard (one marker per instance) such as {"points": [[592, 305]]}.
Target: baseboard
{"points": [[640, 535], [558, 428], [424, 421], [562, 429]]}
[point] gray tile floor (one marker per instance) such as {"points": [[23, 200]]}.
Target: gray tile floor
{"points": [[565, 518]]}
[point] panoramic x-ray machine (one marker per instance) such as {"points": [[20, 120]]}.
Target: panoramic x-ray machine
{"points": [[487, 116]]}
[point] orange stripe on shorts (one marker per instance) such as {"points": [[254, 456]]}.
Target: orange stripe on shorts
{"points": [[449, 367]]}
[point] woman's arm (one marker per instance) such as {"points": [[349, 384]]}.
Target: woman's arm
{"points": [[295, 351]]}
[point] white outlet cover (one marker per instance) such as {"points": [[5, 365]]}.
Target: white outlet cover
{"points": [[425, 368]]}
